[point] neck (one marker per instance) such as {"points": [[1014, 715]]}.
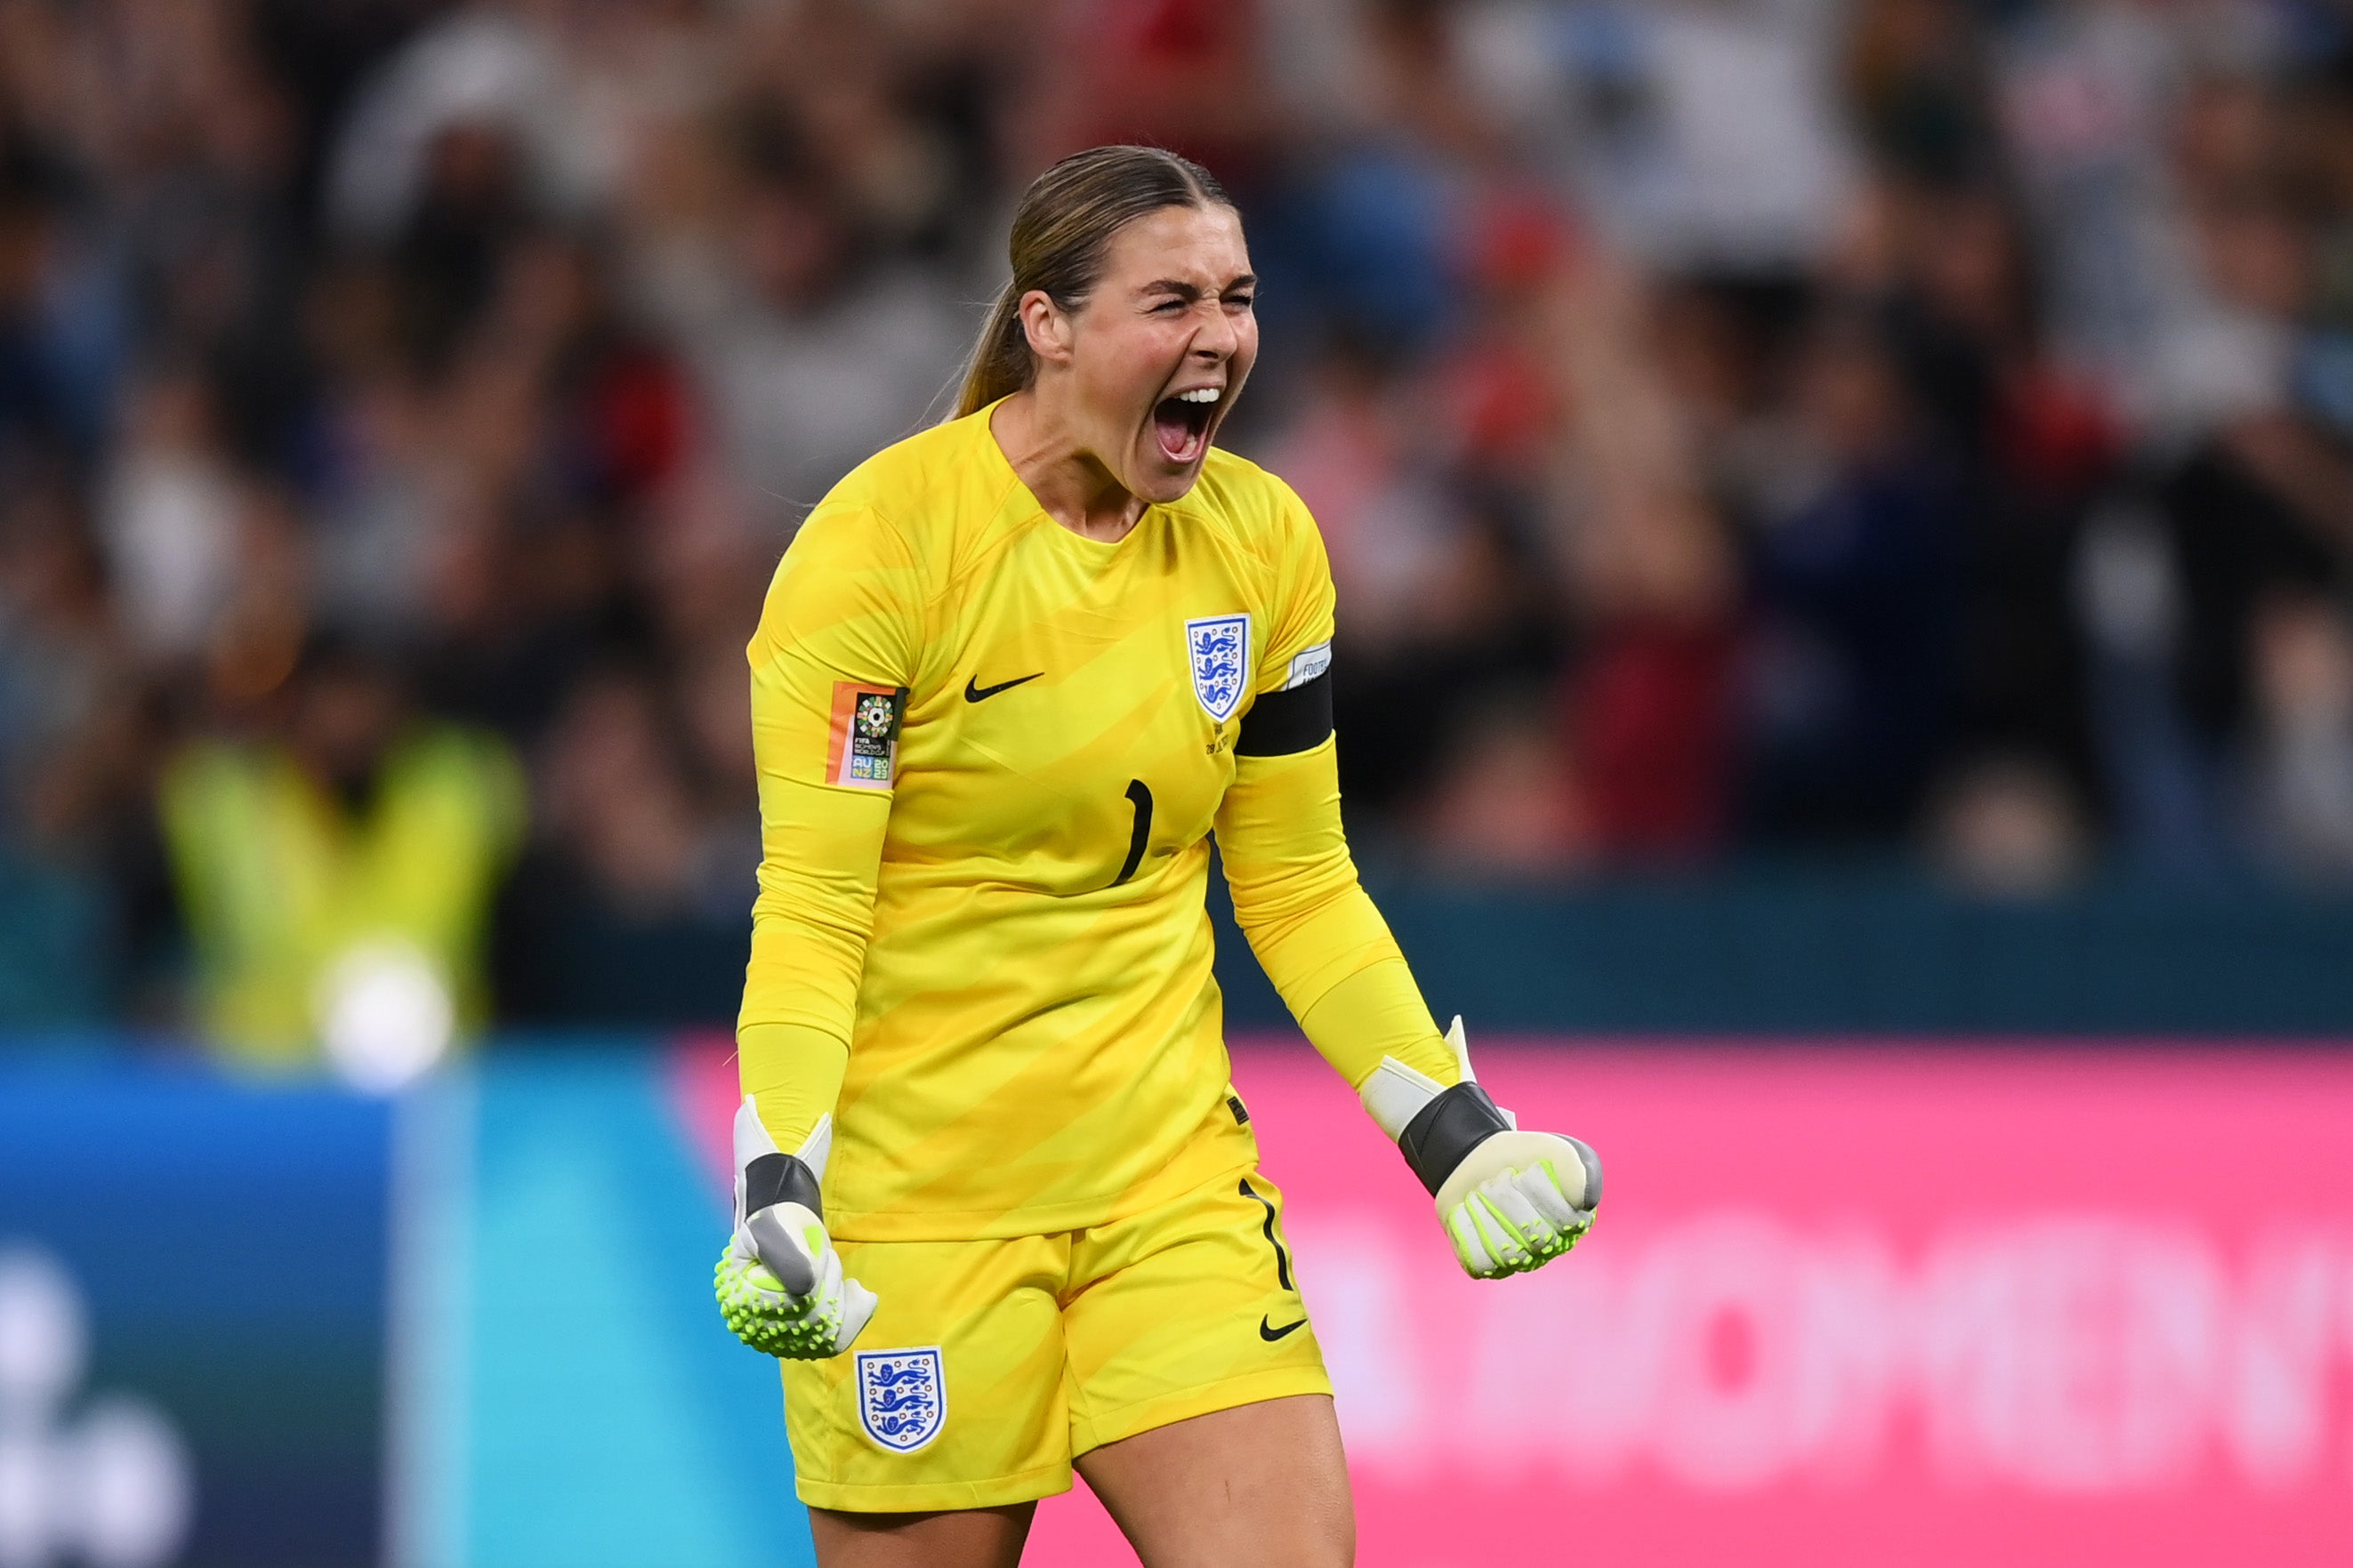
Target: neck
{"points": [[1069, 480]]}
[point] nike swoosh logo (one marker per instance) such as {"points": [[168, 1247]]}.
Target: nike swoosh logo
{"points": [[1269, 1333], [975, 692]]}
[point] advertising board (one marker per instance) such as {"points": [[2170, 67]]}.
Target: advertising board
{"points": [[2019, 1306], [192, 1316], [2033, 1306]]}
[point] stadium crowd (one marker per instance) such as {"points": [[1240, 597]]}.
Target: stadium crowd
{"points": [[1739, 427]]}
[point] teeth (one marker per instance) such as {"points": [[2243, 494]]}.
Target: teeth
{"points": [[1199, 394]]}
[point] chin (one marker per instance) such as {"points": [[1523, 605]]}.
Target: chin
{"points": [[1173, 488], [1153, 481]]}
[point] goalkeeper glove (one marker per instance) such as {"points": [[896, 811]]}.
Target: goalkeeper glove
{"points": [[780, 1283], [1510, 1201]]}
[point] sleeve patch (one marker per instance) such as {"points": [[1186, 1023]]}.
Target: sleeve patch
{"points": [[1306, 664], [862, 751]]}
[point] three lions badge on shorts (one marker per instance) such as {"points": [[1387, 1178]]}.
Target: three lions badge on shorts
{"points": [[902, 1397], [1219, 649]]}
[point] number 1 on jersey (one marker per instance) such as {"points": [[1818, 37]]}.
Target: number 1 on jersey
{"points": [[1141, 798]]}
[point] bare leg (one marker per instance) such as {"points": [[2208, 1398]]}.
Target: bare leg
{"points": [[964, 1538], [1257, 1485]]}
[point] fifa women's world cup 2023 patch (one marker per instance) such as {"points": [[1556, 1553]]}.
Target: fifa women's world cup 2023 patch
{"points": [[863, 750]]}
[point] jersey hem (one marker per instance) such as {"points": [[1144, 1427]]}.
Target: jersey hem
{"points": [[922, 1496], [1092, 1432], [1173, 1181]]}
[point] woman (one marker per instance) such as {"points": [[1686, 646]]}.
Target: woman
{"points": [[1010, 676]]}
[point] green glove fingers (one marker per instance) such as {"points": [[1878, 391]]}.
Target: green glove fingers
{"points": [[1543, 1189], [1510, 1200], [761, 1314], [1506, 1242], [1486, 1240], [1470, 1247], [1515, 1221], [1552, 1223], [779, 1282]]}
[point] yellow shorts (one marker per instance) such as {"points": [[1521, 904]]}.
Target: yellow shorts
{"points": [[990, 1365]]}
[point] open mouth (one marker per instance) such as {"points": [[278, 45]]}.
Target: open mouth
{"points": [[1181, 424]]}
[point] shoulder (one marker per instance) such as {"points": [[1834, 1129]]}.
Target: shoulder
{"points": [[885, 539], [1253, 507], [1266, 524], [922, 489], [912, 512]]}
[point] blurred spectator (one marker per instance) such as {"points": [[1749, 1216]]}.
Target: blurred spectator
{"points": [[2301, 766], [63, 681], [1911, 427], [471, 122], [1858, 583], [170, 517], [1497, 810], [336, 873], [629, 907], [59, 314], [816, 349], [1649, 565], [2007, 827], [1701, 136], [2165, 790]]}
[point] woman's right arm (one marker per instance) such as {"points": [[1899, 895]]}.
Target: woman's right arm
{"points": [[831, 663]]}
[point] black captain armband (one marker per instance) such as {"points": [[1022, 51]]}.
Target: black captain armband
{"points": [[1446, 1129], [1280, 723], [774, 1179]]}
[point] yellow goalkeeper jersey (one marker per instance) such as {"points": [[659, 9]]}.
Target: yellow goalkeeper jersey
{"points": [[992, 756]]}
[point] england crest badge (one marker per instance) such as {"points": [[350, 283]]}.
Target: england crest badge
{"points": [[902, 1397], [1219, 649]]}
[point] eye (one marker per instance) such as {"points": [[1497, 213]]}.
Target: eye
{"points": [[1241, 301], [1168, 307]]}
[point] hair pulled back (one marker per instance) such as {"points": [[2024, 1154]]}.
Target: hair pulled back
{"points": [[1060, 232]]}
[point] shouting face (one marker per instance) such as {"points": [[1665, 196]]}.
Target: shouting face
{"points": [[1159, 352]]}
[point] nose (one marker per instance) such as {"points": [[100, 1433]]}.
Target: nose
{"points": [[1218, 339]]}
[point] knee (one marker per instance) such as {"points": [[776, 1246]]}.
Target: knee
{"points": [[1308, 1521], [1329, 1533]]}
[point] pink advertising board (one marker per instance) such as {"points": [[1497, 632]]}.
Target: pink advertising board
{"points": [[1951, 1307]]}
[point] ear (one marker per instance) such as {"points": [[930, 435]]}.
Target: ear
{"points": [[1046, 328]]}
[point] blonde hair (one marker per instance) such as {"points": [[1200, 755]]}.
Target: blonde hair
{"points": [[1060, 232]]}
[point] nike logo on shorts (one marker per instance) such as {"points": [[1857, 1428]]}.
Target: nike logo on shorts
{"points": [[1269, 1333], [975, 692]]}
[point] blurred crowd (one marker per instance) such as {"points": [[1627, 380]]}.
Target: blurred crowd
{"points": [[1741, 427]]}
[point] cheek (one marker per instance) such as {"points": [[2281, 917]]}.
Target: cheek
{"points": [[1123, 369]]}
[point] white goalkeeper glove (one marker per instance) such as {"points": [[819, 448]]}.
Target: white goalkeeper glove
{"points": [[1510, 1201], [780, 1282]]}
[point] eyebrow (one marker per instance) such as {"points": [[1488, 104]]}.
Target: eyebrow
{"points": [[1184, 290]]}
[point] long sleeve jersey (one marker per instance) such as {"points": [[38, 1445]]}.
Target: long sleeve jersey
{"points": [[992, 752]]}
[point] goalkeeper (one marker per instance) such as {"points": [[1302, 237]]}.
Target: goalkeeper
{"points": [[997, 1204]]}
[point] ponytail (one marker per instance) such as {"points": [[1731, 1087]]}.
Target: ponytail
{"points": [[1000, 364], [1061, 232]]}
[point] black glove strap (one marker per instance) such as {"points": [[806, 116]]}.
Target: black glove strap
{"points": [[781, 1179], [1448, 1129]]}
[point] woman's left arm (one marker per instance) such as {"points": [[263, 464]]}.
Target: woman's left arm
{"points": [[1309, 920], [1509, 1200]]}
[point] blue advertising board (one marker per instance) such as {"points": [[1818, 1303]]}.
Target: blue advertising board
{"points": [[193, 1290], [580, 1400], [245, 1325]]}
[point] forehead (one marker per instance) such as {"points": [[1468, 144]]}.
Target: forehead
{"points": [[1200, 245]]}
